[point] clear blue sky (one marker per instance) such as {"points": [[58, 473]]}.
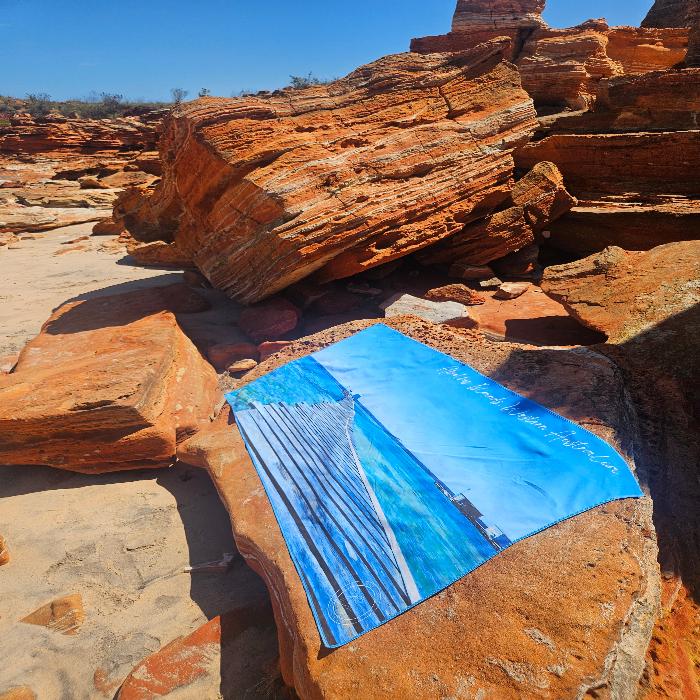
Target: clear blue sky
{"points": [[142, 48]]}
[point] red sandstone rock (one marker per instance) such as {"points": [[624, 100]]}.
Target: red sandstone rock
{"points": [[241, 366], [538, 198], [455, 292], [623, 294], [227, 657], [28, 135], [223, 354], [109, 384], [159, 254], [338, 178], [64, 615], [18, 693], [511, 290], [269, 320], [4, 551], [546, 592]]}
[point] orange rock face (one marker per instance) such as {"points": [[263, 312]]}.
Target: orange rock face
{"points": [[109, 384], [535, 201], [56, 133], [338, 178], [526, 625], [561, 67]]}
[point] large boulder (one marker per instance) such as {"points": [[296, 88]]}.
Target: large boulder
{"points": [[560, 614], [110, 383], [263, 191], [648, 303]]}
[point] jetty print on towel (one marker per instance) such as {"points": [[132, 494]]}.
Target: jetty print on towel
{"points": [[393, 470]]}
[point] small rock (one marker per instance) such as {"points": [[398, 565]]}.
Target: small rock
{"points": [[242, 366], [363, 288], [492, 283], [224, 354], [20, 692], [471, 272], [107, 227], [511, 290], [270, 348], [91, 183], [65, 615], [75, 240], [435, 311], [4, 552], [456, 292], [269, 320]]}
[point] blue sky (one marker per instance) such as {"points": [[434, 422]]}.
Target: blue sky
{"points": [[142, 48]]}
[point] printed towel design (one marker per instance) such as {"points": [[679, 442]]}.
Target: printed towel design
{"points": [[394, 470]]}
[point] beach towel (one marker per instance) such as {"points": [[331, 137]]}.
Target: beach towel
{"points": [[394, 470]]}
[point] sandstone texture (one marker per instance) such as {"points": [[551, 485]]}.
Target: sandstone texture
{"points": [[334, 179], [435, 311], [109, 384], [647, 303], [562, 68], [233, 653], [26, 134], [536, 200], [575, 604]]}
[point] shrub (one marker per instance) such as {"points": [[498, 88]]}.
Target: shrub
{"points": [[178, 95]]}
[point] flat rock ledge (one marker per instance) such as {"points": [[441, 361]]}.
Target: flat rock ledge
{"points": [[562, 614]]}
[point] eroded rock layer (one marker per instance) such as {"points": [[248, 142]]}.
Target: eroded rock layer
{"points": [[263, 191], [546, 593], [109, 384], [564, 67]]}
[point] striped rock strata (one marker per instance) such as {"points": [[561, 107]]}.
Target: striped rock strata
{"points": [[109, 384], [561, 67], [561, 613], [263, 191]]}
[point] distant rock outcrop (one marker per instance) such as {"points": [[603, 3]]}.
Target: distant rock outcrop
{"points": [[263, 191]]}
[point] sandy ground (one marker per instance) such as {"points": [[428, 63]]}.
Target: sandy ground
{"points": [[42, 273], [121, 541]]}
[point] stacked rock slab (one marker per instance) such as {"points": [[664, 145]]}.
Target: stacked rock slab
{"points": [[633, 163], [565, 611], [109, 384], [561, 68], [535, 202], [263, 191], [30, 135]]}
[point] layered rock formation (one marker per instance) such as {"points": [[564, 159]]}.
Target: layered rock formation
{"points": [[535, 202], [543, 592], [561, 68], [605, 158], [109, 384], [335, 179], [28, 135]]}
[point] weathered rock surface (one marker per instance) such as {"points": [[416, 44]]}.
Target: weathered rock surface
{"points": [[623, 294], [575, 604], [669, 13], [561, 67], [109, 384], [535, 201], [269, 320], [4, 551], [648, 303], [26, 134], [455, 292], [231, 656], [335, 179], [605, 157]]}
